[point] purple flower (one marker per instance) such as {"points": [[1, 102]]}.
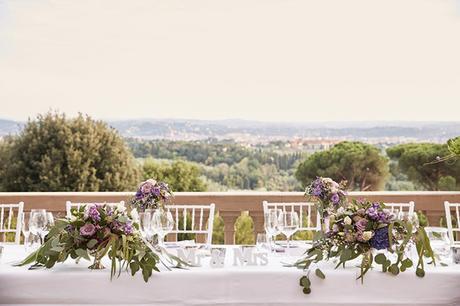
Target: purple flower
{"points": [[156, 191], [373, 211], [380, 239], [335, 198], [146, 188], [139, 195], [317, 191], [94, 214], [128, 229], [88, 230], [361, 225]]}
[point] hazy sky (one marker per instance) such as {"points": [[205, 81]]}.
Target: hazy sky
{"points": [[256, 59]]}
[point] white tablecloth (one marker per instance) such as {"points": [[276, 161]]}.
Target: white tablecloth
{"points": [[274, 284]]}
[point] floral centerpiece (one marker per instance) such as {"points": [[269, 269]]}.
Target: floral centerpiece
{"points": [[367, 231], [330, 196], [97, 230], [151, 194]]}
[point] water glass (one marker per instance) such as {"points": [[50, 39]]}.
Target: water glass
{"points": [[288, 224], [440, 242], [162, 223]]}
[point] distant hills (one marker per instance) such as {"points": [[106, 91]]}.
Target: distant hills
{"points": [[256, 131]]}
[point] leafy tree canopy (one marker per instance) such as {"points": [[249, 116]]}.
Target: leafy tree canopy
{"points": [[416, 161], [358, 163], [56, 153], [180, 175]]}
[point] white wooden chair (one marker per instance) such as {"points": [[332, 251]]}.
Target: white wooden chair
{"points": [[450, 226], [197, 213], [72, 205], [7, 213], [304, 210], [405, 207]]}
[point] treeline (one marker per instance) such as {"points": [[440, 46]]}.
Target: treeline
{"points": [[213, 152], [55, 153], [226, 165]]}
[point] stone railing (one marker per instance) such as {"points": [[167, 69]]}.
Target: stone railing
{"points": [[230, 205]]}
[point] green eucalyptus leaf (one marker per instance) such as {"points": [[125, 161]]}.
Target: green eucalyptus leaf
{"points": [[380, 259], [345, 255], [57, 249], [305, 282], [407, 263], [420, 272], [320, 273], [91, 244], [82, 253], [394, 269]]}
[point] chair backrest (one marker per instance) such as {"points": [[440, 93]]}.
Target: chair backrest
{"points": [[72, 205], [450, 226], [304, 209], [7, 213], [405, 207], [197, 213]]}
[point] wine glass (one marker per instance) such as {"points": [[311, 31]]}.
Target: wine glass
{"points": [[163, 224], [410, 217], [145, 224], [25, 230], [38, 222], [262, 242], [288, 224], [271, 225], [49, 223]]}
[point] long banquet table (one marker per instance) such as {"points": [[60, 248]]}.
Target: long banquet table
{"points": [[274, 284]]}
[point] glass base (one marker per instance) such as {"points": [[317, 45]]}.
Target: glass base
{"points": [[97, 265]]}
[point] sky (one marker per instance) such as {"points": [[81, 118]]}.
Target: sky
{"points": [[269, 60]]}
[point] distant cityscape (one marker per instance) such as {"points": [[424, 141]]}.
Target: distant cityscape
{"points": [[306, 137]]}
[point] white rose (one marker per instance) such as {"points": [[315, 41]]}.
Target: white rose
{"points": [[340, 210], [367, 235], [121, 207], [135, 215], [347, 220]]}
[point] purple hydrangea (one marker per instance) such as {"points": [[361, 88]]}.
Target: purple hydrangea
{"points": [[87, 230], [380, 239]]}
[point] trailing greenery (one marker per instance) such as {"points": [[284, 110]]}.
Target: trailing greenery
{"points": [[97, 231], [365, 231]]}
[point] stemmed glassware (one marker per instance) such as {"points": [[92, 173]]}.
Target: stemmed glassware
{"points": [[162, 224], [271, 225], [38, 222], [25, 230], [49, 223], [288, 224], [145, 224]]}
